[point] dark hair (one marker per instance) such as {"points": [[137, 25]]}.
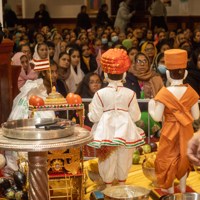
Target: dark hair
{"points": [[72, 50], [161, 43], [129, 50], [177, 74], [83, 87], [157, 60], [39, 33], [24, 45], [104, 5], [42, 73], [50, 44], [195, 56], [115, 77], [83, 7], [187, 48], [61, 54], [52, 62], [40, 44], [83, 45]]}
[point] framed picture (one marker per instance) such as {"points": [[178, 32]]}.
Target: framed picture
{"points": [[94, 5]]}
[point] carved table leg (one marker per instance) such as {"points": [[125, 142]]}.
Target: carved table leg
{"points": [[38, 178]]}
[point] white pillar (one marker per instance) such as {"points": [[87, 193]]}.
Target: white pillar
{"points": [[1, 12], [23, 9]]}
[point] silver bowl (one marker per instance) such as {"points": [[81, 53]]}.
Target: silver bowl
{"points": [[180, 196], [126, 192]]}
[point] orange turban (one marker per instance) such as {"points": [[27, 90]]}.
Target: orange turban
{"points": [[175, 59], [115, 61]]}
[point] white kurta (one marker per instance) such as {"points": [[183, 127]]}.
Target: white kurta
{"points": [[114, 111]]}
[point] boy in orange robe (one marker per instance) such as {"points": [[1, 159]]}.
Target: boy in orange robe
{"points": [[179, 105]]}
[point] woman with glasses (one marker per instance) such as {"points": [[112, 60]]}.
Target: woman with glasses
{"points": [[146, 83], [90, 84], [150, 50]]}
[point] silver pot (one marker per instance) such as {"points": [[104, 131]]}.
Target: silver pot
{"points": [[180, 196], [126, 192]]}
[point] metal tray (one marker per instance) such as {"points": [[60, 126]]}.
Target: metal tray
{"points": [[25, 129]]}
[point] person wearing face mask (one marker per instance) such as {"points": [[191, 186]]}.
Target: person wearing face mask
{"points": [[114, 40], [104, 41], [160, 68]]}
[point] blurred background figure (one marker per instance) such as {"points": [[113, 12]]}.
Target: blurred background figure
{"points": [[158, 13], [10, 18], [123, 15], [83, 20], [42, 17], [102, 16], [1, 33]]}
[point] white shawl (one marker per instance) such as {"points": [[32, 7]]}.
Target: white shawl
{"points": [[74, 78]]}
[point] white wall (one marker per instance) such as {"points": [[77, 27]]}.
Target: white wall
{"points": [[61, 10], [70, 8], [189, 8], [57, 9]]}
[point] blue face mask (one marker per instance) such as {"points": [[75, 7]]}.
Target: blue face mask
{"points": [[114, 38], [162, 69], [104, 40]]}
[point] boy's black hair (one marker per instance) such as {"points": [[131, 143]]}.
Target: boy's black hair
{"points": [[177, 74], [115, 77]]}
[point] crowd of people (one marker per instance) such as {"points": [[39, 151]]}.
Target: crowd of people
{"points": [[75, 54]]}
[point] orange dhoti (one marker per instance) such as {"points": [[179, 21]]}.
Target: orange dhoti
{"points": [[171, 160]]}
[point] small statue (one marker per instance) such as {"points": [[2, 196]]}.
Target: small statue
{"points": [[178, 103], [114, 111]]}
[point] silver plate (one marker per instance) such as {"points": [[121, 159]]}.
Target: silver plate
{"points": [[25, 129], [80, 137]]}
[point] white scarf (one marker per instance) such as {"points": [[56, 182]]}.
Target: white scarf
{"points": [[74, 78]]}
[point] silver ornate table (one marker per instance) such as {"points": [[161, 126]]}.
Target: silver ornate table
{"points": [[37, 157]]}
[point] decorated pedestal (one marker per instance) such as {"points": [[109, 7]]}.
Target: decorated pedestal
{"points": [[38, 153]]}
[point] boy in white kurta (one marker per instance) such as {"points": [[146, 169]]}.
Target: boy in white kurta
{"points": [[114, 110]]}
